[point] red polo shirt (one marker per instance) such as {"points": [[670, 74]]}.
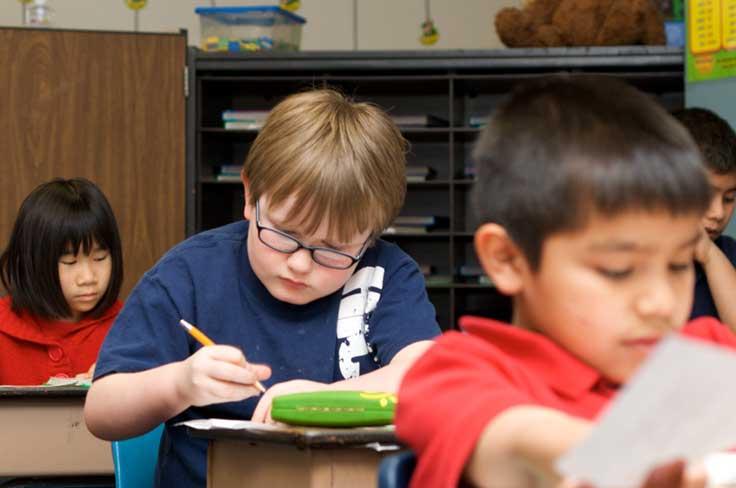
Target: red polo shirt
{"points": [[449, 396], [33, 349]]}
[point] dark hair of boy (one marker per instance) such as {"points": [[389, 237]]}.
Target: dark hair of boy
{"points": [[558, 150], [54, 216], [713, 135]]}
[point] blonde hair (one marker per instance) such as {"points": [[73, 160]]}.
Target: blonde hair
{"points": [[340, 161]]}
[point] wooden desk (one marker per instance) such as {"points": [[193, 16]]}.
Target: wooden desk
{"points": [[42, 433], [294, 456]]}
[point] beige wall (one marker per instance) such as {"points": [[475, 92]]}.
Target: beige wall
{"points": [[382, 24]]}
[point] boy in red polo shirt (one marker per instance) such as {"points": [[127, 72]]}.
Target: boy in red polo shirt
{"points": [[590, 207]]}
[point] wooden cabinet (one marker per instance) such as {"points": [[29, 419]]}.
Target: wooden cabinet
{"points": [[102, 105]]}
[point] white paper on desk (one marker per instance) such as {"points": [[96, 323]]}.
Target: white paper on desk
{"points": [[681, 404], [209, 424]]}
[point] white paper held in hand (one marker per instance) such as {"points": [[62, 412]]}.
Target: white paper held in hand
{"points": [[681, 404]]}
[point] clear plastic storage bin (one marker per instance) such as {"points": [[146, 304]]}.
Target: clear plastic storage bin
{"points": [[249, 29]]}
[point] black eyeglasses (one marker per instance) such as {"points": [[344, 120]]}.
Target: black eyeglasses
{"points": [[283, 242]]}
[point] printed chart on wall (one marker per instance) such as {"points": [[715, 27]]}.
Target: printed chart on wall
{"points": [[711, 49]]}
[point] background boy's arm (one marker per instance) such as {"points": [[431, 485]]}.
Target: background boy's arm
{"points": [[721, 276], [385, 379], [123, 405]]}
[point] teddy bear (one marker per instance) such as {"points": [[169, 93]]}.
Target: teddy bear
{"points": [[550, 23]]}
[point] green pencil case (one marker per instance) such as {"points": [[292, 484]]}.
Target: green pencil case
{"points": [[335, 408]]}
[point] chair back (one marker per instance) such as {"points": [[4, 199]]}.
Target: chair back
{"points": [[395, 471], [135, 459]]}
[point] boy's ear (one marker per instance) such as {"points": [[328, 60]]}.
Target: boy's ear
{"points": [[249, 212], [501, 259]]}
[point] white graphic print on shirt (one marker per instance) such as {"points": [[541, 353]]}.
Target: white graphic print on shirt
{"points": [[359, 298]]}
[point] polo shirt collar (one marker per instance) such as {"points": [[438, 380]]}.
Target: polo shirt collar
{"points": [[563, 372]]}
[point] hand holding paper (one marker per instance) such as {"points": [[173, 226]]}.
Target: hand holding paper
{"points": [[679, 405]]}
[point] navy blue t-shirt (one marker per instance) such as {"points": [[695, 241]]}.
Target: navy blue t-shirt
{"points": [[703, 303], [208, 281]]}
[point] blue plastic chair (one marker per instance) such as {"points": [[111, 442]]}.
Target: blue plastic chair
{"points": [[135, 459], [395, 471]]}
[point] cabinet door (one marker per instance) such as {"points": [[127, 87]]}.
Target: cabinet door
{"points": [[106, 106]]}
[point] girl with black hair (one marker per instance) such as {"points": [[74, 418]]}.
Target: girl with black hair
{"points": [[62, 270]]}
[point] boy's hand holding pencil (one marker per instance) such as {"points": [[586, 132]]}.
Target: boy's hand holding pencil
{"points": [[218, 374]]}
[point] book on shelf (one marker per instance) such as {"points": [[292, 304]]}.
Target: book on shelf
{"points": [[243, 124], [477, 121], [417, 173], [405, 229], [473, 273], [438, 279], [227, 177], [230, 168], [426, 220], [245, 115], [228, 172], [470, 270], [469, 169], [426, 269], [419, 120], [485, 280], [421, 220], [416, 179]]}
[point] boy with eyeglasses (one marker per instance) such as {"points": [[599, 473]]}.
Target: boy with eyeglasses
{"points": [[304, 288]]}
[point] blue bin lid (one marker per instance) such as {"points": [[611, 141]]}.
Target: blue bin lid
{"points": [[248, 15]]}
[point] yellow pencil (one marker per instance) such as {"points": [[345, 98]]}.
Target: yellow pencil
{"points": [[206, 341]]}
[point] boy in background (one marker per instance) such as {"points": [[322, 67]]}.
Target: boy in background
{"points": [[304, 288], [575, 190], [715, 255]]}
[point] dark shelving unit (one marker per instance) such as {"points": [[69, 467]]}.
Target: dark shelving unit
{"points": [[451, 85]]}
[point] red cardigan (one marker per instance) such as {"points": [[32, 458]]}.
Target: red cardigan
{"points": [[34, 349], [452, 392]]}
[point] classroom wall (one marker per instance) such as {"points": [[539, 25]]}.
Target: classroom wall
{"points": [[382, 24]]}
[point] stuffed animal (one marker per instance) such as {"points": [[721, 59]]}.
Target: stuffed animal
{"points": [[550, 23]]}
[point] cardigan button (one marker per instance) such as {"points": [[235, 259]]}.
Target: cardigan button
{"points": [[55, 353]]}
